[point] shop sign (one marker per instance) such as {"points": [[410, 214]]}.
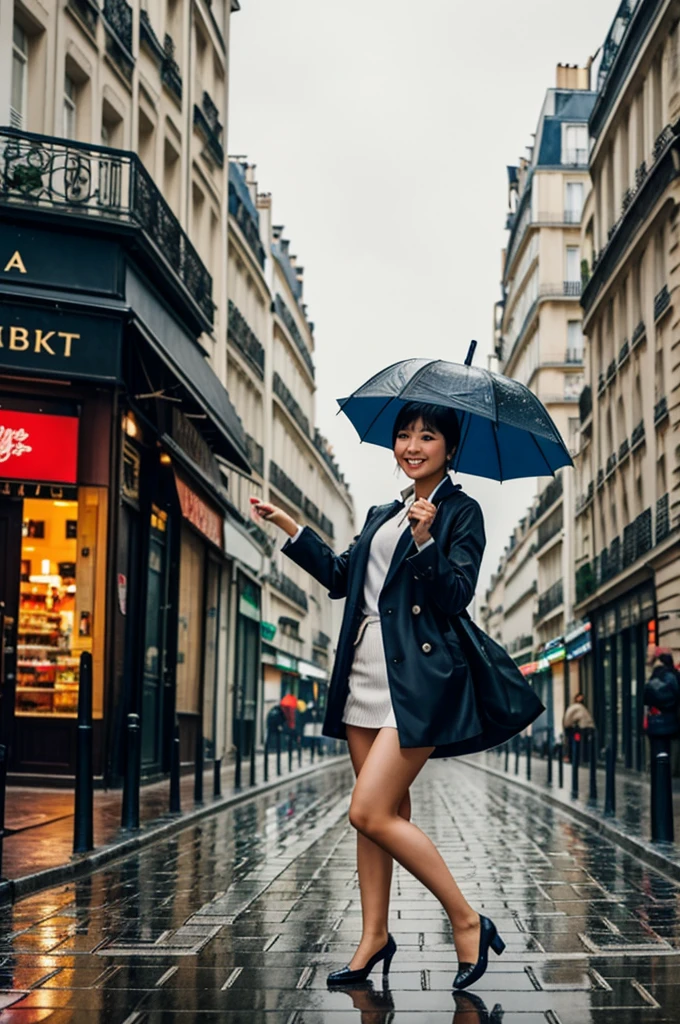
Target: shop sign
{"points": [[199, 513], [579, 641], [56, 343], [83, 264], [38, 446], [267, 630]]}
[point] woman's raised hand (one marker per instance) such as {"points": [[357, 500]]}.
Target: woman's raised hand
{"points": [[272, 514], [421, 516]]}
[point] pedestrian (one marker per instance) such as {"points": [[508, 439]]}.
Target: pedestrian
{"points": [[402, 689], [276, 721], [577, 721], [662, 699]]}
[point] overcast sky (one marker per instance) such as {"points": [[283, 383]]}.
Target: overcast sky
{"points": [[383, 129]]}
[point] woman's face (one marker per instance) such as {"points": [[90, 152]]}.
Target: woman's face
{"points": [[420, 452]]}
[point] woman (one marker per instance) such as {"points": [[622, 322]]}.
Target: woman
{"points": [[401, 690]]}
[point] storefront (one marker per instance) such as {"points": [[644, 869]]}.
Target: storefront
{"points": [[112, 506]]}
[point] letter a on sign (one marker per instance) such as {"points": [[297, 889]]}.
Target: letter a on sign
{"points": [[16, 263]]}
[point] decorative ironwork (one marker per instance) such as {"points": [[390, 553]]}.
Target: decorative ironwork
{"points": [[624, 450], [585, 403], [285, 485], [170, 73], [550, 528], [629, 547], [520, 643], [611, 371], [148, 37], [638, 334], [663, 520], [286, 586], [601, 384], [87, 12], [624, 352], [662, 140], [118, 14], [662, 301], [550, 599], [638, 435], [321, 520], [97, 182], [288, 319], [640, 174], [290, 403], [549, 495], [627, 199], [643, 533], [244, 213], [245, 339], [660, 411], [600, 478], [255, 454], [206, 120], [611, 464]]}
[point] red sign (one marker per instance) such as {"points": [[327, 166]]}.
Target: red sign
{"points": [[199, 513], [38, 447]]}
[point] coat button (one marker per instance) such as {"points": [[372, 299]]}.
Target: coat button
{"points": [[426, 648], [388, 611], [397, 661], [416, 609]]}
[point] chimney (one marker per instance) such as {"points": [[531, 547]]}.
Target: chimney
{"points": [[572, 77]]}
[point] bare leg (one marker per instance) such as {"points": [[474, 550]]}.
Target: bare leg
{"points": [[385, 776], [374, 864]]}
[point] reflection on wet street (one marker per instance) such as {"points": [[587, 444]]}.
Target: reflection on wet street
{"points": [[240, 918]]}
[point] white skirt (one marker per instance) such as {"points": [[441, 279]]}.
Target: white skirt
{"points": [[369, 703]]}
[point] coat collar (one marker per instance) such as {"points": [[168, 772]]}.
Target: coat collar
{"points": [[443, 490]]}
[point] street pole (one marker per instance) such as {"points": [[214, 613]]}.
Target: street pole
{"points": [[551, 754], [199, 766], [662, 800], [575, 764], [529, 758], [130, 809], [610, 783], [592, 766], [217, 777], [278, 750], [560, 765], [175, 803], [507, 758], [84, 789]]}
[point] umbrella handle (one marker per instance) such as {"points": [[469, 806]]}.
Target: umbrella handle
{"points": [[470, 353]]}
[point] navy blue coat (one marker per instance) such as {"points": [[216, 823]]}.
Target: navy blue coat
{"points": [[429, 679]]}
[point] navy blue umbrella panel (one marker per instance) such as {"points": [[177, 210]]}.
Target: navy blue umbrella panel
{"points": [[506, 432]]}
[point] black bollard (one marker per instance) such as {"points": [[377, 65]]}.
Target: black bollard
{"points": [[217, 777], [198, 767], [237, 767], [560, 765], [592, 767], [278, 751], [517, 743], [551, 754], [575, 764], [506, 766], [290, 751], [130, 810], [662, 800], [610, 783], [84, 795], [312, 747], [266, 756], [529, 745], [252, 756], [175, 802], [299, 748]]}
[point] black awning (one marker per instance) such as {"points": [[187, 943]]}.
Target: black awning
{"points": [[182, 355]]}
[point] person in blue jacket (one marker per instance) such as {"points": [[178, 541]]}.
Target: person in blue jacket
{"points": [[401, 690]]}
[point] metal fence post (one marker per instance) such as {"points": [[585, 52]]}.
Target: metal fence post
{"points": [[252, 756], [278, 750], [575, 764], [198, 767], [266, 755], [610, 783], [175, 803], [217, 777], [84, 791], [551, 754], [592, 766], [506, 766], [529, 758], [560, 765], [290, 750], [130, 809], [517, 743], [662, 800]]}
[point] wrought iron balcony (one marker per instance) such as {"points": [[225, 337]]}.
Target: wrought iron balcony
{"points": [[170, 73], [570, 288], [106, 186], [288, 587], [629, 546], [638, 334], [643, 533], [321, 639], [611, 465], [549, 496], [321, 520], [288, 319], [624, 450], [290, 403], [148, 37], [638, 435], [242, 209], [611, 371], [88, 12], [118, 22], [321, 445], [662, 301], [549, 529], [624, 352], [601, 384], [660, 411], [663, 519], [207, 122], [610, 561], [255, 454], [550, 599], [585, 582], [285, 485], [585, 403], [600, 478], [245, 339]]}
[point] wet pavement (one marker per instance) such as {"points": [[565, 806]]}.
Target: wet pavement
{"points": [[240, 917]]}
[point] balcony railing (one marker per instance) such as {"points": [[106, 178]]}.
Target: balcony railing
{"points": [[663, 520], [321, 520], [624, 352], [624, 450], [601, 384], [244, 212], [585, 403], [288, 587], [170, 73], [550, 528], [548, 497], [570, 288], [638, 435], [255, 454], [660, 411], [206, 120], [118, 20], [600, 478], [321, 640], [550, 599], [609, 564], [290, 403], [629, 548], [88, 12], [520, 643], [285, 485], [245, 339], [611, 371], [104, 185], [643, 533], [638, 334], [285, 314], [321, 445], [611, 465], [662, 301]]}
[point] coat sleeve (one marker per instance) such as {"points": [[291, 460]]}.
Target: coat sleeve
{"points": [[452, 576], [313, 555]]}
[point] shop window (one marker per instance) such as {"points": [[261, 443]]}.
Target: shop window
{"points": [[58, 614]]}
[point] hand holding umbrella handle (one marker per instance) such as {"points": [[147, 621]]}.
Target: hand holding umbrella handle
{"points": [[421, 516]]}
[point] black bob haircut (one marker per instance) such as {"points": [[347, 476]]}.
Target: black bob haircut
{"points": [[434, 417]]}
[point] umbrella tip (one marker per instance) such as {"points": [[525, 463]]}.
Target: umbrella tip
{"points": [[470, 353]]}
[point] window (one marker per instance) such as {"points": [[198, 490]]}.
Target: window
{"points": [[69, 108], [575, 145], [573, 202], [574, 342], [573, 264], [17, 110]]}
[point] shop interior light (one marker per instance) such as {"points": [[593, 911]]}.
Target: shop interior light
{"points": [[130, 426], [52, 581], [165, 459], [45, 566]]}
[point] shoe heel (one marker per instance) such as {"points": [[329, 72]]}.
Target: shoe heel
{"points": [[497, 944], [386, 965]]}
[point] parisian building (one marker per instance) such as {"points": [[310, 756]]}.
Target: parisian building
{"points": [[627, 575], [123, 534], [538, 340]]}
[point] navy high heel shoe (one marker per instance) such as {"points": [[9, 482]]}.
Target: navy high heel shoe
{"points": [[346, 976], [489, 938]]}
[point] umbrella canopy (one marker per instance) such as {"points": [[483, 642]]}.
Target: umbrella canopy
{"points": [[505, 431]]}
